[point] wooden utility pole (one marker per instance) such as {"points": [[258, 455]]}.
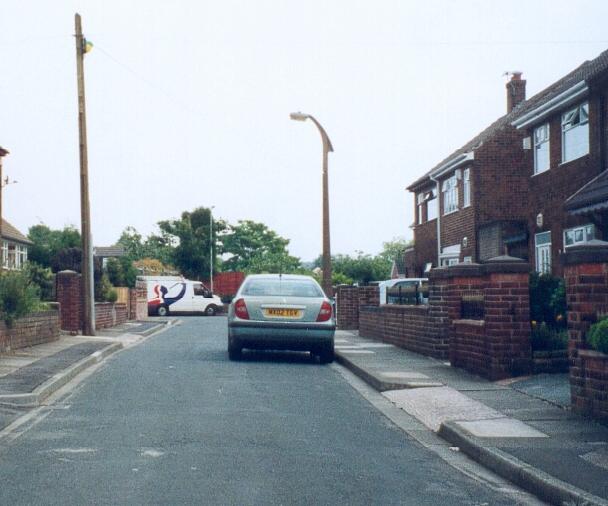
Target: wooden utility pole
{"points": [[88, 324], [3, 153]]}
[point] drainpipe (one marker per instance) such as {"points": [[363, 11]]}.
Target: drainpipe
{"points": [[438, 220]]}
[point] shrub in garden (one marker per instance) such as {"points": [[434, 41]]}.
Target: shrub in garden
{"points": [[597, 337], [18, 296]]}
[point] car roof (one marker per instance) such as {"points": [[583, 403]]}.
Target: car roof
{"points": [[277, 276]]}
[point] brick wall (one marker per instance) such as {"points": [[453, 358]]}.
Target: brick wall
{"points": [[138, 302], [347, 304], [586, 276], [497, 346], [414, 328], [68, 286], [36, 328], [109, 314]]}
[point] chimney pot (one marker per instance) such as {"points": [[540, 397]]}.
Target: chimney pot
{"points": [[516, 90]]}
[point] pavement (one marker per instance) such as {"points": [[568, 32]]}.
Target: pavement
{"points": [[28, 376], [522, 429]]}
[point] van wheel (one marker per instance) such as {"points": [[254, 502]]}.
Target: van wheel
{"points": [[210, 310], [162, 311]]}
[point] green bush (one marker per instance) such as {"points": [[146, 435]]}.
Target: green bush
{"points": [[104, 291], [548, 300], [42, 277], [597, 337], [545, 338], [18, 296]]}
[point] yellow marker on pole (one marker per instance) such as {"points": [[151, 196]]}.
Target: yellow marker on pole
{"points": [[87, 46]]}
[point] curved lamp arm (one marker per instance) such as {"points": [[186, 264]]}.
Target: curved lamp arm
{"points": [[299, 116]]}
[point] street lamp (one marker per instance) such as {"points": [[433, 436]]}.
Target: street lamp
{"points": [[211, 247], [327, 147]]}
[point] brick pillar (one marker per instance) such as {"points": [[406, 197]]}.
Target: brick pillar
{"points": [[586, 276], [507, 317], [68, 286], [369, 295], [347, 307]]}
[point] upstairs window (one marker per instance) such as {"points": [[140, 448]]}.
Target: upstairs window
{"points": [[466, 187], [450, 195], [420, 202], [575, 133], [541, 149], [431, 205]]}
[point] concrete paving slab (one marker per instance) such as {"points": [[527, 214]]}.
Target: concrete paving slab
{"points": [[402, 375], [597, 458], [500, 428], [375, 345], [358, 352], [436, 405]]}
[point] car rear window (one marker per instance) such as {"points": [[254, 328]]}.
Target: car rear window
{"points": [[282, 287]]}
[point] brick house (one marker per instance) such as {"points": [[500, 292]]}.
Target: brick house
{"points": [[505, 191]]}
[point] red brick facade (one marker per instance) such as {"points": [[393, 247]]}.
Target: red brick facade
{"points": [[510, 204]]}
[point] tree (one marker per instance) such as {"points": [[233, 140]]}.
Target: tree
{"points": [[191, 255], [392, 250], [57, 249], [155, 246], [360, 269], [121, 272], [254, 248]]}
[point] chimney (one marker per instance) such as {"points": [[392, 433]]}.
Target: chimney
{"points": [[516, 91]]}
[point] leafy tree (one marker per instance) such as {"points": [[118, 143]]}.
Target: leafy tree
{"points": [[255, 248], [121, 272], [155, 246], [392, 250], [361, 269], [54, 248], [151, 266], [192, 234], [42, 277], [18, 296]]}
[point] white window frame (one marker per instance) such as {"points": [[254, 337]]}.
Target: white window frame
{"points": [[466, 187], [541, 141], [5, 254], [449, 189], [450, 255], [578, 117], [420, 203], [542, 252], [579, 235], [432, 203]]}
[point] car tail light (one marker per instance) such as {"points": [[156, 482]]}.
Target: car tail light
{"points": [[325, 312], [240, 309]]}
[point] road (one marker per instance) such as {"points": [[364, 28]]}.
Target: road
{"points": [[172, 421]]}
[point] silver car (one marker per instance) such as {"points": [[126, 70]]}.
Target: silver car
{"points": [[281, 312]]}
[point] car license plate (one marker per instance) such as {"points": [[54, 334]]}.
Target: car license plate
{"points": [[282, 313]]}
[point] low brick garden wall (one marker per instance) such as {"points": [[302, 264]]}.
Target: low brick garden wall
{"points": [[550, 362], [414, 328], [36, 328], [110, 314]]}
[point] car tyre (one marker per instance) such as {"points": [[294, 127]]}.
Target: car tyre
{"points": [[162, 310], [210, 310], [326, 354], [234, 350]]}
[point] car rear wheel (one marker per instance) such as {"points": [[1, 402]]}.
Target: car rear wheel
{"points": [[210, 310], [326, 354], [162, 311], [234, 350]]}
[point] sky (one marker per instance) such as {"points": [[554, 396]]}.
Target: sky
{"points": [[188, 105]]}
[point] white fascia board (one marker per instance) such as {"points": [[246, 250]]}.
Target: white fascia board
{"points": [[564, 99], [452, 164]]}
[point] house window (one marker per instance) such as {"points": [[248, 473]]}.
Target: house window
{"points": [[4, 254], [21, 256], [431, 205], [466, 187], [450, 195], [450, 255], [542, 243], [541, 149], [579, 235], [12, 256], [575, 133], [420, 200]]}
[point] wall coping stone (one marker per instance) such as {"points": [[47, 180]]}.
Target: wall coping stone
{"points": [[592, 252], [592, 354], [68, 272], [474, 323], [498, 265]]}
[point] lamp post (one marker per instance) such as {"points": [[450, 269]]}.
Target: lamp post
{"points": [[211, 247], [327, 147], [3, 153]]}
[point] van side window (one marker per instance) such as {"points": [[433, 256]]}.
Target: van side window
{"points": [[200, 290]]}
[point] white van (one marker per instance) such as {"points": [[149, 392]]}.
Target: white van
{"points": [[414, 291], [175, 294]]}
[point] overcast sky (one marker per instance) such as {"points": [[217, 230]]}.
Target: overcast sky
{"points": [[188, 105]]}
